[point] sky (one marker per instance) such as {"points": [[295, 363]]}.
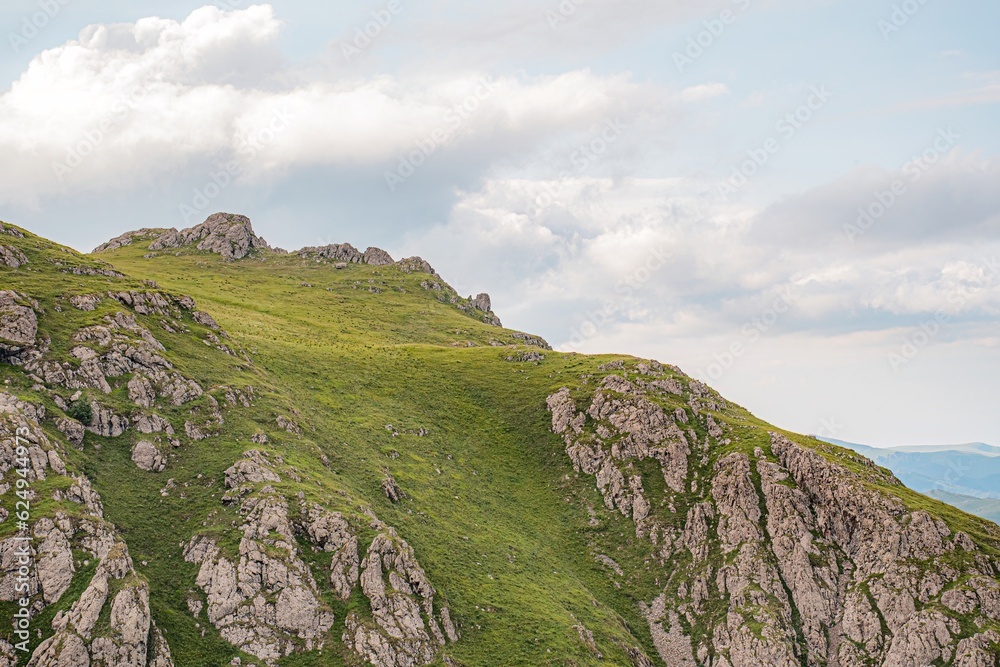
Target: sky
{"points": [[796, 202]]}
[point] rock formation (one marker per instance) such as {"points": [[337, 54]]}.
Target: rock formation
{"points": [[818, 567], [225, 234]]}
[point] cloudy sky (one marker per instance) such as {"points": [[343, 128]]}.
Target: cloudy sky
{"points": [[798, 202]]}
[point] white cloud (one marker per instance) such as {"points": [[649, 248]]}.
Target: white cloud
{"points": [[128, 102]]}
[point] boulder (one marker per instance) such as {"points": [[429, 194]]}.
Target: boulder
{"points": [[148, 457], [11, 257], [18, 322], [377, 257]]}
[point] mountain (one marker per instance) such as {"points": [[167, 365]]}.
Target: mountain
{"points": [[984, 507], [970, 470], [215, 452]]}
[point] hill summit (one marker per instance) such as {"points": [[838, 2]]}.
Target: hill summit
{"points": [[218, 453]]}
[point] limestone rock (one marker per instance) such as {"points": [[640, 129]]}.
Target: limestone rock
{"points": [[11, 257], [402, 625], [54, 560], [225, 234], [128, 239], [148, 457], [106, 423], [72, 429], [86, 302], [268, 597], [392, 490], [18, 323], [341, 252], [331, 532], [377, 257], [416, 265]]}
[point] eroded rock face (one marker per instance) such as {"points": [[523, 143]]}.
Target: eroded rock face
{"points": [[225, 234], [18, 322], [98, 628], [11, 257], [148, 457], [129, 238], [340, 252], [403, 631], [265, 600], [817, 566], [377, 257]]}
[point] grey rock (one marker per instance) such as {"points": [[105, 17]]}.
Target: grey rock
{"points": [[225, 234], [11, 257], [148, 457], [54, 563], [416, 265], [343, 253], [331, 532], [105, 422], [72, 429], [392, 490], [377, 257], [481, 302], [18, 322], [86, 302], [267, 597], [128, 239]]}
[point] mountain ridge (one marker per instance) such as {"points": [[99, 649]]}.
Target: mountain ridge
{"points": [[277, 460]]}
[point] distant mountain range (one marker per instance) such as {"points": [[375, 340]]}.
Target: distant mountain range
{"points": [[966, 476]]}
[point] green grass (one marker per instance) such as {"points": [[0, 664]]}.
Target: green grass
{"points": [[494, 511]]}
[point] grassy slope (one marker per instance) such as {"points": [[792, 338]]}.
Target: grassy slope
{"points": [[487, 508], [494, 511]]}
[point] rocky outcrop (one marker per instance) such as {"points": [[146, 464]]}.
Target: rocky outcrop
{"points": [[86, 302], [481, 302], [817, 563], [340, 252], [225, 234], [333, 534], [18, 322], [11, 257], [403, 630], [377, 257], [416, 265], [128, 238], [110, 623], [148, 457], [263, 599]]}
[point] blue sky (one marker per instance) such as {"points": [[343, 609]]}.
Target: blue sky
{"points": [[567, 162]]}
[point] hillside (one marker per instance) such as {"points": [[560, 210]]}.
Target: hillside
{"points": [[236, 455]]}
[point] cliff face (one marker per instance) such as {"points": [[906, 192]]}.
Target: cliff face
{"points": [[775, 553], [232, 455]]}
